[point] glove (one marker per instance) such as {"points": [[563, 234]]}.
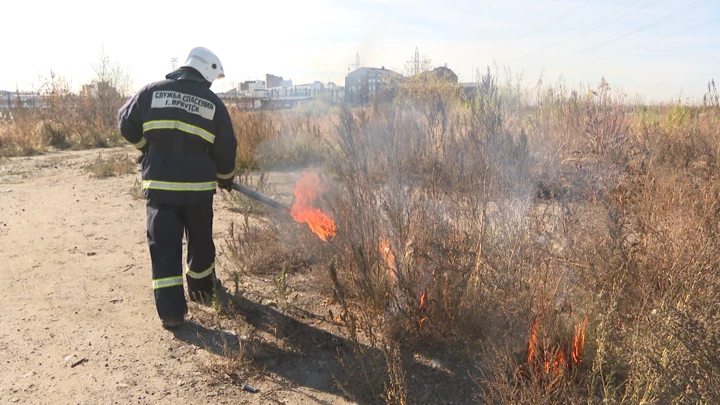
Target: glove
{"points": [[226, 184]]}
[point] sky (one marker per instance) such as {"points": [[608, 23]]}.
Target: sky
{"points": [[654, 50]]}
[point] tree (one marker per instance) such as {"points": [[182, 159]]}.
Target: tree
{"points": [[111, 76], [111, 86]]}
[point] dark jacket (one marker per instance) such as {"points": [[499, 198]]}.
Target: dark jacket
{"points": [[186, 134]]}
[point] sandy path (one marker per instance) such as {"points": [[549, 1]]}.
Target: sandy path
{"points": [[76, 284]]}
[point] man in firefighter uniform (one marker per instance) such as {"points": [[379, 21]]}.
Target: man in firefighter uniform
{"points": [[185, 134]]}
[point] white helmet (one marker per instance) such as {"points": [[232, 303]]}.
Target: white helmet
{"points": [[205, 62]]}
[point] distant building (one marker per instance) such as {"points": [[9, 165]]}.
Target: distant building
{"points": [[24, 99], [277, 93], [362, 84], [99, 89], [257, 85], [250, 86], [273, 81], [259, 93], [470, 88], [443, 73]]}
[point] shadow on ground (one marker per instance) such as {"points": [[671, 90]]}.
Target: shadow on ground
{"points": [[218, 342], [310, 358]]}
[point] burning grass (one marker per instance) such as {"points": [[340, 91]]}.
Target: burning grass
{"points": [[559, 247], [545, 356], [560, 253], [303, 210]]}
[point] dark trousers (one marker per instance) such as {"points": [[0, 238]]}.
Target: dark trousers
{"points": [[166, 225]]}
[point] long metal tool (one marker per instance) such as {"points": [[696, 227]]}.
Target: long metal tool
{"points": [[263, 199]]}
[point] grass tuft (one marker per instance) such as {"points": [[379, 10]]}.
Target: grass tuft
{"points": [[114, 165]]}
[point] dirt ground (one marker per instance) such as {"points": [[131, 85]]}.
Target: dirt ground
{"points": [[78, 323]]}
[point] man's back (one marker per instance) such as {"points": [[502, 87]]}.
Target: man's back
{"points": [[188, 137]]}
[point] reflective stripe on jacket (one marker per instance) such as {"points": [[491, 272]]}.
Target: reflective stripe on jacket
{"points": [[188, 137]]}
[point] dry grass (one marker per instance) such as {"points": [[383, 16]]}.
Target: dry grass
{"points": [[113, 165], [22, 136], [275, 140], [70, 121], [462, 219], [279, 140]]}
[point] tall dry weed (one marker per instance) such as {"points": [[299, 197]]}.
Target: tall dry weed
{"points": [[279, 140], [65, 121], [457, 231]]}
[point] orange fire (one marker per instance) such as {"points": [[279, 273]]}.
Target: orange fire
{"points": [[422, 310], [389, 257], [579, 341], [558, 364], [562, 356], [306, 191], [533, 342]]}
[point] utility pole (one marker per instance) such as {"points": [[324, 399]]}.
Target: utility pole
{"points": [[415, 62], [357, 61]]}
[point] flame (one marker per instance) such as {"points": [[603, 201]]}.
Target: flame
{"points": [[533, 342], [564, 356], [306, 190], [422, 310], [389, 257], [560, 363], [578, 341]]}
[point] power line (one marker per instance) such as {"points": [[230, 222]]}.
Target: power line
{"points": [[645, 27], [533, 32], [693, 28], [581, 33], [695, 4], [621, 17]]}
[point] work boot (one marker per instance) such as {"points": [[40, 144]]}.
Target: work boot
{"points": [[203, 297], [172, 323], [203, 291], [207, 296]]}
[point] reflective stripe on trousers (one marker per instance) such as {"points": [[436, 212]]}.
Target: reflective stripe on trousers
{"points": [[201, 274], [167, 282], [180, 126], [177, 186], [226, 176]]}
